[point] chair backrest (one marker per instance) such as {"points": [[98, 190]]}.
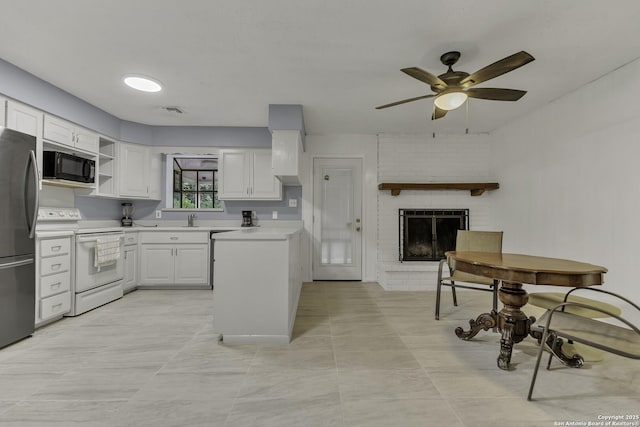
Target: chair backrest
{"points": [[479, 241]]}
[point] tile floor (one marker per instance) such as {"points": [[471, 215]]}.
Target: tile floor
{"points": [[360, 357]]}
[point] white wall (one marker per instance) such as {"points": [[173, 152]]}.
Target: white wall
{"points": [[336, 146], [570, 179]]}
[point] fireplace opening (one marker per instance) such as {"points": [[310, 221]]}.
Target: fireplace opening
{"points": [[426, 234]]}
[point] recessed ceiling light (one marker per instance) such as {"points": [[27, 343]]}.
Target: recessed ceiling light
{"points": [[142, 83]]}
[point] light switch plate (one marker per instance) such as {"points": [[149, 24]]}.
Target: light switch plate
{"points": [[293, 203], [274, 215], [158, 214]]}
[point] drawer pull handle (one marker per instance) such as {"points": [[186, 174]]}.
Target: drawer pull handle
{"points": [[56, 285], [56, 248], [173, 238], [56, 266], [56, 307]]}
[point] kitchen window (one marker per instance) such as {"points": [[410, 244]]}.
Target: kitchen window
{"points": [[194, 182]]}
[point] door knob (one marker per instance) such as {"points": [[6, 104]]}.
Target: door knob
{"points": [[357, 228]]}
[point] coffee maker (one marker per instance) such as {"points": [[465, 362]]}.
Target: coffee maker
{"points": [[247, 220], [127, 214]]}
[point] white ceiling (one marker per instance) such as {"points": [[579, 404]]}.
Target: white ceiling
{"points": [[223, 62]]}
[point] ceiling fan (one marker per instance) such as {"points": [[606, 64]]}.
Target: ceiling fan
{"points": [[454, 87]]}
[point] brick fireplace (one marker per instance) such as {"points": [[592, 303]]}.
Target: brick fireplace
{"points": [[422, 158]]}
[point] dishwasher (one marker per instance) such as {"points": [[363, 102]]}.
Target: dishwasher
{"points": [[212, 259]]}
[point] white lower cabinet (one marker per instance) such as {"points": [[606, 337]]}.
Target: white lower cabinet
{"points": [[130, 261], [53, 274], [176, 260]]}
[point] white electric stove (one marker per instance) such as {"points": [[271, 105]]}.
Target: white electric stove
{"points": [[92, 286]]}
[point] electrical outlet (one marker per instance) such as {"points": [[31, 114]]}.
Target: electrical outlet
{"points": [[274, 215], [158, 214], [293, 203]]}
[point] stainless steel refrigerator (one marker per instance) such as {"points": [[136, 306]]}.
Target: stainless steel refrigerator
{"points": [[18, 214]]}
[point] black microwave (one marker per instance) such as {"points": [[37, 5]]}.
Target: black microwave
{"points": [[57, 165]]}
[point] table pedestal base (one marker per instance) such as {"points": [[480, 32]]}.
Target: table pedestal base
{"points": [[512, 323], [554, 345]]}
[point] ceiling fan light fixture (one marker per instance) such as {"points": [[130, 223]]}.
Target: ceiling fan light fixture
{"points": [[142, 83], [450, 100]]}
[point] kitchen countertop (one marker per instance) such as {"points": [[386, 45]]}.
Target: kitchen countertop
{"points": [[255, 233], [203, 228]]}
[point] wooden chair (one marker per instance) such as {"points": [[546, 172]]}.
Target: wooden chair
{"points": [[476, 241], [568, 321]]}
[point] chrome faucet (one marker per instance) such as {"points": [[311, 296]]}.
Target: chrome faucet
{"points": [[190, 219]]}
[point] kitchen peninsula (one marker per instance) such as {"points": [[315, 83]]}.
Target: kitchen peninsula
{"points": [[257, 285]]}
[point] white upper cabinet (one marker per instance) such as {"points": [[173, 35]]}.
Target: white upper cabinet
{"points": [[66, 133], [3, 111], [133, 163], [24, 119], [155, 176], [246, 174], [264, 185], [286, 147]]}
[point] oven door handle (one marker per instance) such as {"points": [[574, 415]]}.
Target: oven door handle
{"points": [[93, 238]]}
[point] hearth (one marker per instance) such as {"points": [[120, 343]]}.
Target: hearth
{"points": [[426, 234]]}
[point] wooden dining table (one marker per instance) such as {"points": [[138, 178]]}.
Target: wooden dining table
{"points": [[514, 270]]}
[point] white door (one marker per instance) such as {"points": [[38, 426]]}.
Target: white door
{"points": [[134, 170], [192, 264], [24, 119], [130, 267], [156, 264], [264, 184], [234, 174], [337, 226]]}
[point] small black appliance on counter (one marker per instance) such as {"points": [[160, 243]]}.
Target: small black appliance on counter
{"points": [[247, 220], [127, 214]]}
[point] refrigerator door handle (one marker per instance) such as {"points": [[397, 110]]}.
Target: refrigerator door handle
{"points": [[15, 264], [31, 222]]}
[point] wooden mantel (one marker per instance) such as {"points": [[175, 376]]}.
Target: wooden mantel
{"points": [[475, 188]]}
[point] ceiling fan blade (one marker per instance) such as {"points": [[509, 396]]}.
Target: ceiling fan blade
{"points": [[438, 113], [496, 94], [498, 68], [404, 101], [425, 76]]}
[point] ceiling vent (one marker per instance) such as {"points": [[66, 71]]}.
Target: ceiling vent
{"points": [[176, 110]]}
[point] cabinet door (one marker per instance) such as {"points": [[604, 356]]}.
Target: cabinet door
{"points": [[134, 170], [86, 140], [234, 174], [264, 184], [3, 111], [130, 267], [156, 264], [24, 119], [191, 264], [58, 130], [155, 176]]}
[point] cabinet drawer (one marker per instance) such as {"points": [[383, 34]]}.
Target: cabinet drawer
{"points": [[130, 238], [54, 265], [49, 247], [55, 284], [55, 306], [176, 237]]}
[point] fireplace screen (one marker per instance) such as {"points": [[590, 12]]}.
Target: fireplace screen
{"points": [[425, 235]]}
